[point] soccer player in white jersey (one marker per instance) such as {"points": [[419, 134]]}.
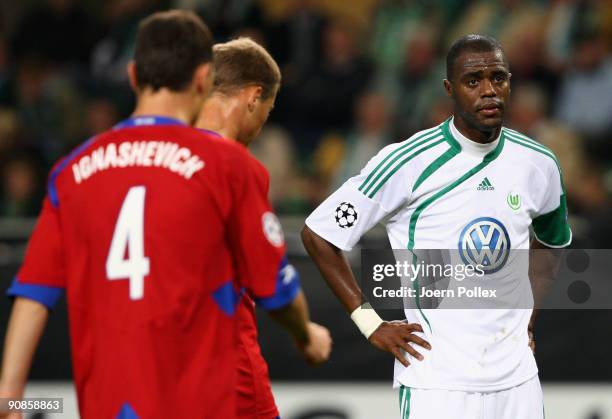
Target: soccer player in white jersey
{"points": [[432, 191]]}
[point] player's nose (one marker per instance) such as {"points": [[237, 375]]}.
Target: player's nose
{"points": [[487, 89]]}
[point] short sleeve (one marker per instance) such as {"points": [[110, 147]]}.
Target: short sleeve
{"points": [[287, 287], [42, 274], [256, 238], [550, 225], [362, 201]]}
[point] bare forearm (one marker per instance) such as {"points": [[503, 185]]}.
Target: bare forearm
{"points": [[335, 269], [26, 324], [544, 265], [311, 339], [294, 318], [392, 337]]}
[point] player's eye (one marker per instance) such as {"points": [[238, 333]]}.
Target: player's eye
{"points": [[472, 82], [500, 78]]}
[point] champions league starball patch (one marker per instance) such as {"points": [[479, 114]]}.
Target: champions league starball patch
{"points": [[345, 215], [272, 229]]}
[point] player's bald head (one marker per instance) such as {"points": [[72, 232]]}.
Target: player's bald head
{"points": [[476, 43]]}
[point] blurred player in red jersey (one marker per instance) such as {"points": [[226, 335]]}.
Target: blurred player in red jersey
{"points": [[146, 228], [246, 82]]}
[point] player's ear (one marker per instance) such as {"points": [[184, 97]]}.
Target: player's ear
{"points": [[448, 87], [132, 76], [509, 84], [254, 96], [204, 78]]}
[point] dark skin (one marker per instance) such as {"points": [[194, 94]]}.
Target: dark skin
{"points": [[479, 88], [392, 337], [544, 263]]}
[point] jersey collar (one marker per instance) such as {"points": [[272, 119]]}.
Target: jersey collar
{"points": [[460, 142], [213, 133], [147, 120]]}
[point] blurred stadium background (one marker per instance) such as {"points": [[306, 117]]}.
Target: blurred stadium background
{"points": [[357, 75]]}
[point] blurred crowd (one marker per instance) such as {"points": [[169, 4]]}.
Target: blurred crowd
{"points": [[357, 75]]}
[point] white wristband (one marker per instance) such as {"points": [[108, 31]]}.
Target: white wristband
{"points": [[366, 319]]}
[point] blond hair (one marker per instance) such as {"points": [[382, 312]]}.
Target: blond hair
{"points": [[243, 62]]}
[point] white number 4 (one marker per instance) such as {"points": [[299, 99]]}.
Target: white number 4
{"points": [[129, 233]]}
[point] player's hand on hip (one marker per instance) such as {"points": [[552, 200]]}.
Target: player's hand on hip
{"points": [[532, 343], [395, 337], [319, 345]]}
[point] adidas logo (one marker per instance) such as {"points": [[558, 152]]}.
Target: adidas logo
{"points": [[485, 185]]}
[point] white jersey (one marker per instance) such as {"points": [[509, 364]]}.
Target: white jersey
{"points": [[434, 191]]}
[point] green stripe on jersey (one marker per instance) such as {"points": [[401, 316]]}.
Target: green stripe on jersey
{"points": [[401, 164], [440, 161], [435, 165], [430, 170], [447, 134], [552, 229], [528, 139], [432, 132], [533, 147], [539, 150], [529, 143], [419, 210], [416, 286], [406, 150]]}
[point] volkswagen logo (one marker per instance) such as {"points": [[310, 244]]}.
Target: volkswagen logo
{"points": [[485, 241]]}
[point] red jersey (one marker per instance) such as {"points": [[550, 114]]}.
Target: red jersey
{"points": [[152, 228], [255, 398]]}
